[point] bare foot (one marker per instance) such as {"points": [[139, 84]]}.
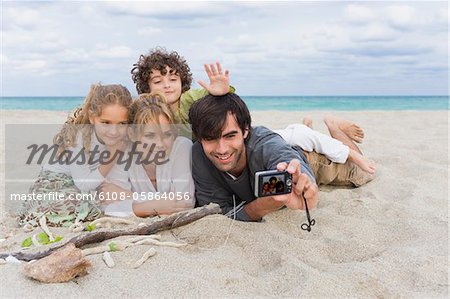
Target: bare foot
{"points": [[353, 131], [307, 122], [366, 165]]}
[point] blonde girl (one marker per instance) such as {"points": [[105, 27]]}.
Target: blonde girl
{"points": [[162, 183], [99, 125]]}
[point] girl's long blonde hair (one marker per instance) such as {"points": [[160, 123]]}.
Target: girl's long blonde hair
{"points": [[98, 97], [147, 108]]}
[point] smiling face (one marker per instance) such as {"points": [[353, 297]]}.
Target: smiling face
{"points": [[169, 85], [161, 135], [111, 125], [228, 152]]}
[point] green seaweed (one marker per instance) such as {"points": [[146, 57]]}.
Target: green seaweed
{"points": [[42, 238], [27, 242], [90, 227], [112, 246]]}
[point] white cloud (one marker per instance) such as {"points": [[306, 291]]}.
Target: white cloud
{"points": [[401, 16], [112, 52], [374, 33], [22, 17], [359, 14], [86, 42], [149, 31], [29, 41], [160, 9], [3, 59], [31, 65]]}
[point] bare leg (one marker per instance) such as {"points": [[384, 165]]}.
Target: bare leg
{"points": [[307, 122], [333, 125], [350, 129], [366, 165]]}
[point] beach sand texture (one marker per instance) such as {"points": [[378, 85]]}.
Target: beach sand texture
{"points": [[388, 238]]}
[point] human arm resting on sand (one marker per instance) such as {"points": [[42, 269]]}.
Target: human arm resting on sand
{"points": [[87, 178], [179, 194]]}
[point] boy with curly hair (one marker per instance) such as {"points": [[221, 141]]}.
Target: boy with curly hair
{"points": [[169, 74]]}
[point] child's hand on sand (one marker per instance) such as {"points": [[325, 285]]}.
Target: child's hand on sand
{"points": [[219, 83], [105, 191]]}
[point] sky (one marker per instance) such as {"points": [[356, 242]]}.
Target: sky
{"points": [[59, 48]]}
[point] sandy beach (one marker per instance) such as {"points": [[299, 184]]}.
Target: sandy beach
{"points": [[388, 238]]}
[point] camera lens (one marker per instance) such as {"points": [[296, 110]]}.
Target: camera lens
{"points": [[288, 182]]}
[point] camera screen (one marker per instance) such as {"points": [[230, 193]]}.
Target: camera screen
{"points": [[273, 184]]}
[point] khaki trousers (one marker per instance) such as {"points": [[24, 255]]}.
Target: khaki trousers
{"points": [[337, 174]]}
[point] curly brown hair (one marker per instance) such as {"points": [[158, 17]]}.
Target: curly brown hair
{"points": [[158, 59]]}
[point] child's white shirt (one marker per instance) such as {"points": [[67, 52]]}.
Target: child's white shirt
{"points": [[86, 176], [173, 177]]}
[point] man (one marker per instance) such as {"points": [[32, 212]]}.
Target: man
{"points": [[229, 152]]}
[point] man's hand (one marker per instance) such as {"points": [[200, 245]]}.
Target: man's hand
{"points": [[302, 187], [219, 83]]}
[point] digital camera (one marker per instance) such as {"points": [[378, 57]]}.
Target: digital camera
{"points": [[272, 182]]}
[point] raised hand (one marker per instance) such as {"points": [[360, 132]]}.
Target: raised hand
{"points": [[219, 82]]}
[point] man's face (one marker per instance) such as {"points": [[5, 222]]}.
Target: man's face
{"points": [[169, 85], [228, 152]]}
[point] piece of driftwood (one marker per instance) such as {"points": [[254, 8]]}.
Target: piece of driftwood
{"points": [[62, 265], [169, 222]]}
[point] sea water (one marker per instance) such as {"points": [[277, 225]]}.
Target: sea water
{"points": [[258, 103]]}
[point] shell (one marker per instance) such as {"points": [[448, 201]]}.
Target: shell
{"points": [[63, 265]]}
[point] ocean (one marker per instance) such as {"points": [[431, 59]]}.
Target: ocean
{"points": [[258, 103]]}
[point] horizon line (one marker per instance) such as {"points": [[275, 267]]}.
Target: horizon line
{"points": [[299, 95]]}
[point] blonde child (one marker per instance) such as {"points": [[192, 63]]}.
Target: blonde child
{"points": [[156, 188], [100, 125]]}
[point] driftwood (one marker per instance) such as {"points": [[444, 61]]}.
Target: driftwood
{"points": [[62, 265], [169, 222]]}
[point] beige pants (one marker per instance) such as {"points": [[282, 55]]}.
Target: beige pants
{"points": [[337, 174]]}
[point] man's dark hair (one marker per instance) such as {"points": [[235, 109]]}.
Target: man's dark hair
{"points": [[158, 59], [209, 114]]}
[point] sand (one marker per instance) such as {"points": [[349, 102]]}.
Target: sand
{"points": [[388, 238]]}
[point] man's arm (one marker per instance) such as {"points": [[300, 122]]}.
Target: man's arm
{"points": [[261, 207], [209, 190], [270, 151], [303, 188]]}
